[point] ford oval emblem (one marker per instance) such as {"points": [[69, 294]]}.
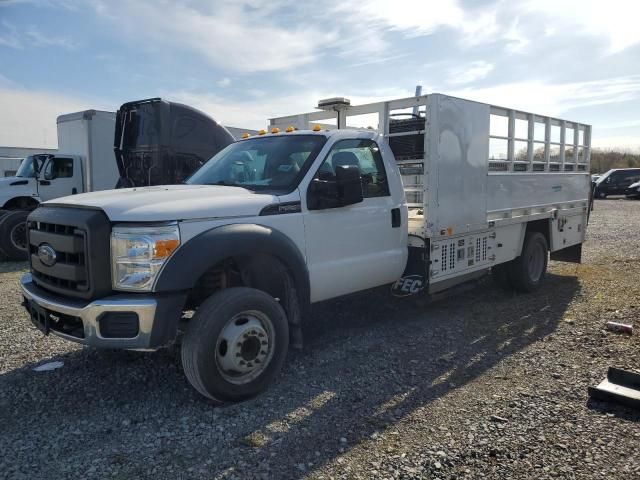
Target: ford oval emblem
{"points": [[47, 255]]}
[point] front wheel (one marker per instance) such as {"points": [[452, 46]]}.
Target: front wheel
{"points": [[235, 344], [13, 235], [529, 269]]}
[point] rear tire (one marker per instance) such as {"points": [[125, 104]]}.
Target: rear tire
{"points": [[528, 270], [235, 344], [13, 235]]}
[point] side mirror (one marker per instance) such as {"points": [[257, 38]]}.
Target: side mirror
{"points": [[345, 190]]}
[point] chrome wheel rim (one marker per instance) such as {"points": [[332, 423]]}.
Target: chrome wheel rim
{"points": [[536, 263], [244, 347], [19, 236]]}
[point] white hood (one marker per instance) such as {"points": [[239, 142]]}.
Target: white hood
{"points": [[172, 202], [22, 187]]}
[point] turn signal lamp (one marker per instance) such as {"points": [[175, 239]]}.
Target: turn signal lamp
{"points": [[262, 132], [164, 248], [275, 130], [316, 128], [289, 129], [245, 135]]}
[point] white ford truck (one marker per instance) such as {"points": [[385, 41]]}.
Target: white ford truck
{"points": [[443, 191]]}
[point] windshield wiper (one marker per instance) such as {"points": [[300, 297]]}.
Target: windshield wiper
{"points": [[223, 183]]}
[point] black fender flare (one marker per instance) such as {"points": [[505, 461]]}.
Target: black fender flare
{"points": [[192, 259]]}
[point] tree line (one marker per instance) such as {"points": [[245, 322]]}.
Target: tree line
{"points": [[603, 160]]}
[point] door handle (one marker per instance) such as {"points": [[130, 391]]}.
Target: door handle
{"points": [[396, 219], [45, 182]]}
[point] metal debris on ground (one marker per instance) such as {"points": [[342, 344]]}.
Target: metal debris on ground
{"points": [[620, 386], [45, 367]]}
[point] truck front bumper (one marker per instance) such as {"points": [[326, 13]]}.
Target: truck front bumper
{"points": [[132, 322]]}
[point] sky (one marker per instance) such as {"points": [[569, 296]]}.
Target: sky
{"points": [[244, 61]]}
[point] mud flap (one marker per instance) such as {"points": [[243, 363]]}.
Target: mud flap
{"points": [[571, 254], [414, 280], [620, 386]]}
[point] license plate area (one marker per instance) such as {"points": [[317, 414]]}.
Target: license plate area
{"points": [[40, 316], [47, 320]]}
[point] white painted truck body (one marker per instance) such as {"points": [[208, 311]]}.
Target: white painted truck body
{"points": [[89, 135]]}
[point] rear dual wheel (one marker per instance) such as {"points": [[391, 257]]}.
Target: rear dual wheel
{"points": [[235, 344], [526, 272]]}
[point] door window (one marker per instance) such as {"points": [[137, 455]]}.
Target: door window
{"points": [[59, 168], [366, 155]]}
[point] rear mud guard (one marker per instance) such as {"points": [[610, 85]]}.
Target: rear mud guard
{"points": [[414, 280], [571, 254]]}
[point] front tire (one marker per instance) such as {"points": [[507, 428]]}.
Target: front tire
{"points": [[529, 269], [235, 344], [13, 235]]}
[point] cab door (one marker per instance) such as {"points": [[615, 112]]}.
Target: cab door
{"points": [[61, 176], [358, 246]]}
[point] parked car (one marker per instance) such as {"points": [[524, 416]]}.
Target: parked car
{"points": [[633, 191], [616, 181]]}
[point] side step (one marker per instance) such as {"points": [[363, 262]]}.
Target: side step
{"points": [[620, 386]]}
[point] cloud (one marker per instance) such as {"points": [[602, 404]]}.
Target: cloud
{"points": [[375, 61], [5, 82], [38, 39], [510, 26], [471, 73], [29, 117], [224, 82], [10, 37], [555, 99], [242, 36], [412, 16], [615, 20], [32, 37]]}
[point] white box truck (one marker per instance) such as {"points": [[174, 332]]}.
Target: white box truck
{"points": [[85, 163], [274, 223]]}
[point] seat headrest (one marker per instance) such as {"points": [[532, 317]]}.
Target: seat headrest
{"points": [[342, 159]]}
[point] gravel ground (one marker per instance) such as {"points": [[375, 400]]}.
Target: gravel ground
{"points": [[482, 385]]}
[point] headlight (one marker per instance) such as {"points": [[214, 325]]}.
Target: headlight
{"points": [[138, 253]]}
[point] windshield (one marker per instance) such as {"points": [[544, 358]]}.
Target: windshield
{"points": [[26, 169], [261, 163]]}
